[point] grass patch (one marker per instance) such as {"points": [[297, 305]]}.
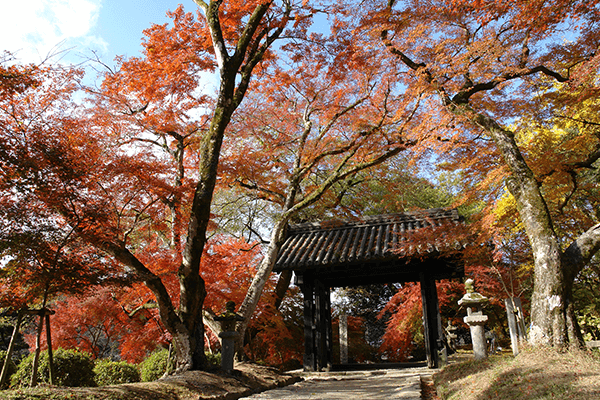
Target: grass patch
{"points": [[540, 373]]}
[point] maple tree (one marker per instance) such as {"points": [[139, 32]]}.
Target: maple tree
{"points": [[97, 324], [480, 65], [238, 36], [403, 312], [41, 255], [116, 203], [344, 113]]}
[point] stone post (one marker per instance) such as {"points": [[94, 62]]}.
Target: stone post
{"points": [[343, 329], [475, 319], [228, 335]]}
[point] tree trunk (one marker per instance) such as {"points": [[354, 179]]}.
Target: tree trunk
{"points": [[258, 283], [188, 346], [549, 322], [283, 283]]}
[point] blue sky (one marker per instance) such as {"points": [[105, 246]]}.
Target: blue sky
{"points": [[33, 28]]}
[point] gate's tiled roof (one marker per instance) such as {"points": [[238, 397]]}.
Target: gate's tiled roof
{"points": [[312, 246]]}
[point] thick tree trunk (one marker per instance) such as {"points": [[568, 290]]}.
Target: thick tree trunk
{"points": [[188, 336], [549, 322], [188, 346]]}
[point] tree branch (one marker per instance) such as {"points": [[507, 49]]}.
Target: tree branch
{"points": [[580, 252]]}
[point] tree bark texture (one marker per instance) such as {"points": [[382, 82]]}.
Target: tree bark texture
{"points": [[549, 322]]}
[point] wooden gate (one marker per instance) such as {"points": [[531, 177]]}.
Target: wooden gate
{"points": [[422, 246]]}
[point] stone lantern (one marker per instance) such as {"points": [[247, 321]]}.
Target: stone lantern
{"points": [[228, 335], [475, 318]]}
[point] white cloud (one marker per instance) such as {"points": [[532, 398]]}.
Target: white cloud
{"points": [[34, 28]]}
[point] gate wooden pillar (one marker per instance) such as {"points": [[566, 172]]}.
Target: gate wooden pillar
{"points": [[307, 287], [431, 320], [323, 326], [317, 324]]}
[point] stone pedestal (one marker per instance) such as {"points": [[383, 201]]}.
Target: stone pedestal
{"points": [[228, 349], [475, 319], [228, 335]]}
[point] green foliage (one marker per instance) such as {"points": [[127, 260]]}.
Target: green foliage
{"points": [[213, 360], [155, 366], [12, 368], [71, 368], [586, 292], [368, 302], [110, 372], [7, 325]]}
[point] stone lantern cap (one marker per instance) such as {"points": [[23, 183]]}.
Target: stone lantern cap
{"points": [[229, 317], [472, 298]]}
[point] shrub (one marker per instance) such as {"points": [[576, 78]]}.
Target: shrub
{"points": [[213, 361], [12, 368], [71, 368], [154, 366], [115, 372]]}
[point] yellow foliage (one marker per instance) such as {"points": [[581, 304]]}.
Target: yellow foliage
{"points": [[505, 211]]}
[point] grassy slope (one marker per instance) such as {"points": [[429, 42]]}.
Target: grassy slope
{"points": [[533, 374]]}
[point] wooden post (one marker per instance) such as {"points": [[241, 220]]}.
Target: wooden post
{"points": [[318, 326], [328, 330], [307, 288], [430, 319], [49, 342], [323, 326], [442, 344], [11, 345], [36, 357], [513, 308]]}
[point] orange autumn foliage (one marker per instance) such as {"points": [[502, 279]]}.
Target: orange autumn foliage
{"points": [[96, 324]]}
